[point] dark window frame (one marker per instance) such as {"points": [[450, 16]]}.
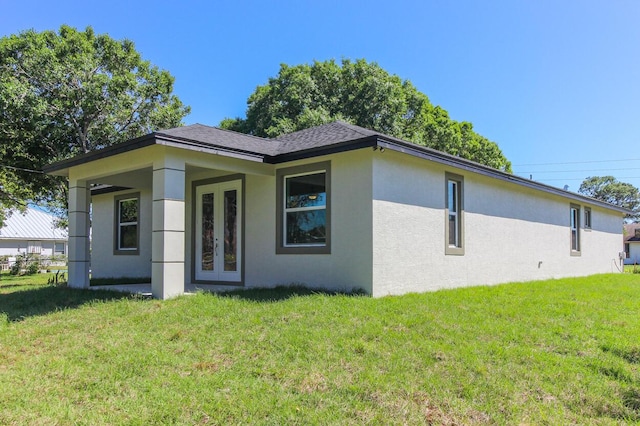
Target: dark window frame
{"points": [[116, 225], [458, 180], [588, 217], [577, 251], [281, 176]]}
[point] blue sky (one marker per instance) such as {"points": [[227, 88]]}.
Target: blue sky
{"points": [[552, 82]]}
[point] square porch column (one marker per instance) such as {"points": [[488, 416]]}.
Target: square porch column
{"points": [[168, 226], [79, 257]]}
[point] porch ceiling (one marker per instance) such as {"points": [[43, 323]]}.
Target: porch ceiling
{"points": [[141, 178]]}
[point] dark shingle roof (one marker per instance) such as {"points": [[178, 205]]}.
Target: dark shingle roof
{"points": [[631, 231], [323, 135], [320, 140], [216, 137]]}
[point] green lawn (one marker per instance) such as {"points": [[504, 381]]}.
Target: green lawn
{"points": [[553, 352]]}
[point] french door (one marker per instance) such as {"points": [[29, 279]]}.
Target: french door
{"points": [[218, 236]]}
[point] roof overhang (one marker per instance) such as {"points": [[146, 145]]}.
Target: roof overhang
{"points": [[61, 168], [375, 141]]}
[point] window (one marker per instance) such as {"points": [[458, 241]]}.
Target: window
{"points": [[304, 209], [454, 202], [58, 249], [127, 232], [627, 249], [575, 230], [587, 218], [34, 247]]}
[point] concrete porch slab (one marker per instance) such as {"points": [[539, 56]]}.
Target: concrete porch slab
{"points": [[145, 289], [142, 289]]}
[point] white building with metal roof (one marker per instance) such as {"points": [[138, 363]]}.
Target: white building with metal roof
{"points": [[33, 232]]}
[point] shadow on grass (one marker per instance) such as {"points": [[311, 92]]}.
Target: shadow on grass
{"points": [[280, 293], [19, 305]]}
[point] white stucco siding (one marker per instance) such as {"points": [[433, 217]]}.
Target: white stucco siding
{"points": [[106, 264], [348, 266], [511, 233]]}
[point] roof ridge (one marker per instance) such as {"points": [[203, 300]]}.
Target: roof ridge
{"points": [[356, 128], [220, 129]]}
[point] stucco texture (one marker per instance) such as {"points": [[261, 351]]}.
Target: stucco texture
{"points": [[511, 233]]}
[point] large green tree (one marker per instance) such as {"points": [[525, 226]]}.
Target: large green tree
{"points": [[361, 93], [612, 191], [70, 92]]}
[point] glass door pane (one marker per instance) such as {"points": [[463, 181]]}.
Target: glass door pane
{"points": [[230, 230], [207, 232]]}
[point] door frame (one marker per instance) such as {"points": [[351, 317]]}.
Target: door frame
{"points": [[241, 222]]}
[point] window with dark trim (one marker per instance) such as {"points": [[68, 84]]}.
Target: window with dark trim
{"points": [[454, 210], [127, 229], [575, 229], [303, 197], [587, 218], [627, 249]]}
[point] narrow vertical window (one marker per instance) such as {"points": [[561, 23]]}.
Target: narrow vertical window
{"points": [[127, 233], [587, 218], [575, 230], [454, 229]]}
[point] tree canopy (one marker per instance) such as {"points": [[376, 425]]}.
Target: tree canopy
{"points": [[361, 93], [70, 92], [611, 190]]}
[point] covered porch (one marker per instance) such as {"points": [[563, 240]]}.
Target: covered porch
{"points": [[167, 177]]}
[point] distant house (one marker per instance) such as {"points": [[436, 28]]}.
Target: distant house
{"points": [[33, 232], [336, 206], [632, 243]]}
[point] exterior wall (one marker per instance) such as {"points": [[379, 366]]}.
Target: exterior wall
{"points": [[10, 247], [634, 254], [348, 266], [387, 226], [106, 264], [511, 233]]}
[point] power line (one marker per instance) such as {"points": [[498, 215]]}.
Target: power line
{"points": [[5, 166], [577, 162], [570, 171], [546, 180]]}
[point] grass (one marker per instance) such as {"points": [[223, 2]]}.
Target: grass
{"points": [[552, 352], [633, 269]]}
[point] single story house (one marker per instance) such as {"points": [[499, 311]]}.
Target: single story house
{"points": [[632, 243], [34, 232], [335, 206]]}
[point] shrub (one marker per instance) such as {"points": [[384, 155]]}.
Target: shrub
{"points": [[33, 267], [17, 266]]}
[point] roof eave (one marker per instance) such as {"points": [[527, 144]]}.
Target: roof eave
{"points": [[460, 163], [61, 168]]}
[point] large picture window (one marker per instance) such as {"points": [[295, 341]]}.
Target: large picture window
{"points": [[454, 229], [127, 232], [303, 198]]}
